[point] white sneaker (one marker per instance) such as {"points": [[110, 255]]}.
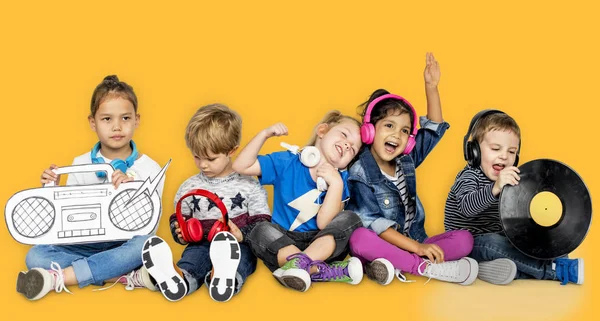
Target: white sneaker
{"points": [[139, 278], [463, 271], [37, 282], [225, 257], [158, 261], [380, 271]]}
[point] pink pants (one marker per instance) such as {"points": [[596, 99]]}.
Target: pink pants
{"points": [[368, 246]]}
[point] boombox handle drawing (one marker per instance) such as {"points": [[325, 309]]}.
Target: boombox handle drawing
{"points": [[103, 167], [85, 213]]}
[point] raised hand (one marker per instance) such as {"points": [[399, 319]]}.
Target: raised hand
{"points": [[278, 129], [432, 71]]}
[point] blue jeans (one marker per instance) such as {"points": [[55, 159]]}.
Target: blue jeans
{"points": [[493, 246], [196, 265], [92, 263]]}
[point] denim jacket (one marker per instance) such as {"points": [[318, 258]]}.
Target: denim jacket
{"points": [[377, 200]]}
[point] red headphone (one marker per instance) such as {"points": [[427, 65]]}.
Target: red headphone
{"points": [[191, 230]]}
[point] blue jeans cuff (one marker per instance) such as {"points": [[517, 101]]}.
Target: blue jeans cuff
{"points": [[83, 273]]}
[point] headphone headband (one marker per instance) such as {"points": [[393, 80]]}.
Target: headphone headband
{"points": [[367, 117], [212, 197], [129, 160]]}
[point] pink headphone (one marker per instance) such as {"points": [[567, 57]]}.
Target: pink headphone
{"points": [[367, 130]]}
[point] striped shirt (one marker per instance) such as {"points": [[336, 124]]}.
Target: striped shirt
{"points": [[471, 205], [409, 207]]}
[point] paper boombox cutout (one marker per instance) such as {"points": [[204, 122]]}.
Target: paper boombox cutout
{"points": [[84, 213]]}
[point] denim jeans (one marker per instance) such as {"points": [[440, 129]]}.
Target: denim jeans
{"points": [[196, 265], [487, 247], [93, 263], [267, 238]]}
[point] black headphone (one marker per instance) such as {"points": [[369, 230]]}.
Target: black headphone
{"points": [[471, 149]]}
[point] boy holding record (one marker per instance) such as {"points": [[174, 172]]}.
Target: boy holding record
{"points": [[492, 155]]}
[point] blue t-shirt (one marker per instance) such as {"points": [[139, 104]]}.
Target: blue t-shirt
{"points": [[296, 199]]}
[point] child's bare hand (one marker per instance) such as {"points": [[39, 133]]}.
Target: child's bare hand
{"points": [[178, 232], [119, 177], [49, 176], [329, 173], [278, 129], [432, 71], [509, 175], [233, 229], [432, 251]]}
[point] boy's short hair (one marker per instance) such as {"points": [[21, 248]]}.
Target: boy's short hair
{"points": [[213, 129], [496, 121]]}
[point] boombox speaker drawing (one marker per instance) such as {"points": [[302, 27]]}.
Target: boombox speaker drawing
{"points": [[84, 213]]}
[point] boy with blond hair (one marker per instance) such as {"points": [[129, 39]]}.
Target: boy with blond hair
{"points": [[213, 135]]}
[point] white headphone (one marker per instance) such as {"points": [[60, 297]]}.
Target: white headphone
{"points": [[309, 157]]}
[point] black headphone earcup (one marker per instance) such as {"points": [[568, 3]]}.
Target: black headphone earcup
{"points": [[473, 154]]}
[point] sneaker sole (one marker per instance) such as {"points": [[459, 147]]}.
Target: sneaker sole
{"points": [[294, 282], [355, 270], [225, 258], [378, 270], [31, 284], [474, 271], [499, 271], [158, 260], [298, 280]]}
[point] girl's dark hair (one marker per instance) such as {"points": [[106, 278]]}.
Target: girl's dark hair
{"points": [[384, 108], [112, 87]]}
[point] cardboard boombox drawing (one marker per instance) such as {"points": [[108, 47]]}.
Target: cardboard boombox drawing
{"points": [[84, 213]]}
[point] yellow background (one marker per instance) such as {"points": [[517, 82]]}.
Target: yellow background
{"points": [[291, 62]]}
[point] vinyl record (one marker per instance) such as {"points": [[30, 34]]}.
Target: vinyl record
{"points": [[548, 214]]}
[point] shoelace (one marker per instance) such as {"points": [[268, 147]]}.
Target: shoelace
{"points": [[303, 262], [331, 272], [446, 269], [401, 277], [133, 278], [59, 278]]}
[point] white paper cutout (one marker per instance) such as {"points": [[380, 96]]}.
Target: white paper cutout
{"points": [[84, 213]]}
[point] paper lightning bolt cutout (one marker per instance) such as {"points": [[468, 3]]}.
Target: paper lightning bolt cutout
{"points": [[150, 185], [307, 207]]}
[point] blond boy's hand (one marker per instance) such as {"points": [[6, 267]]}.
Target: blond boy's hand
{"points": [[233, 229], [178, 232]]}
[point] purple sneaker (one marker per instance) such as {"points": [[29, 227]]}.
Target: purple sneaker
{"points": [[349, 271]]}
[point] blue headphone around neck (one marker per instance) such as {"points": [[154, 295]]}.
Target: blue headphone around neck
{"points": [[119, 164]]}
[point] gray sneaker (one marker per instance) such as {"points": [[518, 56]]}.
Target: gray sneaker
{"points": [[498, 271]]}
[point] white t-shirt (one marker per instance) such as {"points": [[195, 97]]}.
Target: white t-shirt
{"points": [[142, 168]]}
